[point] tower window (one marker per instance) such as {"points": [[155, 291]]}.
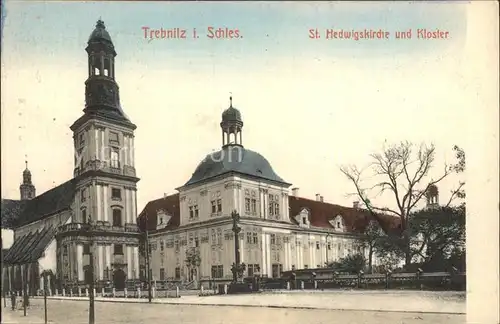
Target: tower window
{"points": [[115, 159], [86, 248], [106, 72], [83, 196], [116, 194], [118, 249], [113, 138], [96, 71], [117, 217], [84, 215], [82, 139]]}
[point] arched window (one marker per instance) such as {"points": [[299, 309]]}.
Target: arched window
{"points": [[117, 217]]}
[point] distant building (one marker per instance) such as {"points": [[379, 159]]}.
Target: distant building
{"points": [[279, 231], [50, 230]]}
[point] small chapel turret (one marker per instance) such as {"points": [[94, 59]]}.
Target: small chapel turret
{"points": [[27, 188]]}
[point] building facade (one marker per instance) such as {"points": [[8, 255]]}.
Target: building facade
{"points": [[279, 231], [101, 193]]}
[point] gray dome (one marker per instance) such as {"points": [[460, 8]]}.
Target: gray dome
{"points": [[234, 158], [100, 34], [231, 114]]}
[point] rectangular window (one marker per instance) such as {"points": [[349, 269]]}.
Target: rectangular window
{"points": [[84, 215], [81, 162], [162, 274], [83, 195], [217, 271], [196, 212], [162, 246], [219, 206], [117, 217], [271, 205], [114, 138], [177, 273], [329, 246], [317, 245], [191, 212], [65, 250], [273, 239], [249, 238], [306, 266], [176, 245], [255, 238], [276, 210], [86, 249], [118, 249], [247, 205], [115, 159], [254, 206], [214, 206], [116, 194]]}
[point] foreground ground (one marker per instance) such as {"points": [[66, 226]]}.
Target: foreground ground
{"points": [[71, 311]]}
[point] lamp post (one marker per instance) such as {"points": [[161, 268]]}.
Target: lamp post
{"points": [[327, 248], [236, 230], [148, 266], [90, 230], [45, 274]]}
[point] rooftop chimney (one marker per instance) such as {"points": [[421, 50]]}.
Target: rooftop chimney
{"points": [[318, 196], [355, 204], [164, 195], [321, 198], [295, 192]]}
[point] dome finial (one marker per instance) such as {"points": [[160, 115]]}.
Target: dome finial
{"points": [[26, 161], [100, 24], [230, 99]]}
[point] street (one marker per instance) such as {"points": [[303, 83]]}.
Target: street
{"points": [[61, 312]]}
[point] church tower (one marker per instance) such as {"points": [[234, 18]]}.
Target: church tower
{"points": [[432, 196], [104, 172], [27, 188]]}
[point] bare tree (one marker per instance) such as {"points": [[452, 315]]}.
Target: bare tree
{"points": [[402, 171], [370, 241]]}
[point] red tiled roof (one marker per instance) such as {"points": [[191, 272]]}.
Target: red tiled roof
{"points": [[355, 220], [170, 204], [321, 213]]}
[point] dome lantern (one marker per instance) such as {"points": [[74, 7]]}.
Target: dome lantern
{"points": [[231, 126]]}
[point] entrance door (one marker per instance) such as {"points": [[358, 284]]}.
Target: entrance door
{"points": [[119, 279]]}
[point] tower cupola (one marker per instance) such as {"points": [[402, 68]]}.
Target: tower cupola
{"points": [[27, 188], [231, 125], [432, 196], [101, 90]]}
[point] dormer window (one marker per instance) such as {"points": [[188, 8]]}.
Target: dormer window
{"points": [[337, 223], [303, 218]]}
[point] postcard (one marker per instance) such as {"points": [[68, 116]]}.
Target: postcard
{"points": [[250, 162]]}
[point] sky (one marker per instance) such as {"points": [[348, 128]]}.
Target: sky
{"points": [[309, 105]]}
